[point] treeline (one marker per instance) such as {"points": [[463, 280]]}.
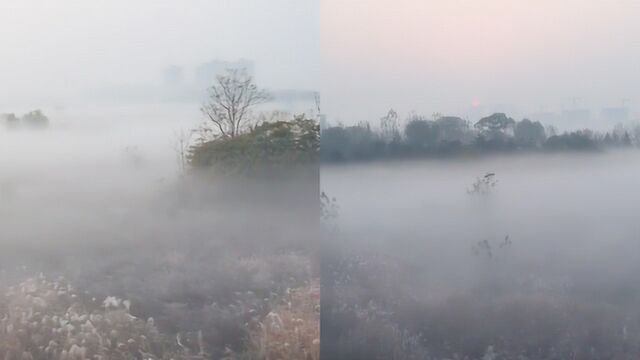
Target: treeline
{"points": [[33, 119], [450, 135]]}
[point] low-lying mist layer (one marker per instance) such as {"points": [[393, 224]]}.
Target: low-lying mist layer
{"points": [[511, 257], [212, 261]]}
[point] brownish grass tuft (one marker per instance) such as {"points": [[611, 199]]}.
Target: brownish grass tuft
{"points": [[291, 331]]}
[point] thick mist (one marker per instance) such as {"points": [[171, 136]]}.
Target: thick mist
{"points": [[93, 168], [100, 198], [113, 244], [568, 210], [72, 52], [433, 262]]}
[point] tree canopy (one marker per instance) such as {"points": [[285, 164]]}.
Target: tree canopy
{"points": [[270, 145], [449, 135]]}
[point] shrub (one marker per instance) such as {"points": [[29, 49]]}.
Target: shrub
{"points": [[35, 119], [271, 145]]}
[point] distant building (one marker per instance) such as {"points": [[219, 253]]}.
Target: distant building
{"points": [[173, 76], [577, 117], [615, 115], [546, 118]]}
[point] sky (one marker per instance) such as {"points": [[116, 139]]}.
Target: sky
{"points": [[443, 55], [54, 50], [365, 56]]}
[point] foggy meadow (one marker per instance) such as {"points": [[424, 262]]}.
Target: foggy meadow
{"points": [[106, 204], [491, 214], [540, 262], [138, 220]]}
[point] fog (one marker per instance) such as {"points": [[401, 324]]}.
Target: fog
{"points": [[91, 162], [114, 245], [502, 56], [58, 54], [579, 208], [443, 248], [99, 198], [415, 229]]}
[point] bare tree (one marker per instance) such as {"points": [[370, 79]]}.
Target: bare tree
{"points": [[389, 126], [182, 142], [230, 102]]}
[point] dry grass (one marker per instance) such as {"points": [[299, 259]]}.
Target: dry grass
{"points": [[291, 331], [500, 317], [44, 319]]}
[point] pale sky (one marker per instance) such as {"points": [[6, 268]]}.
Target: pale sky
{"points": [[54, 49], [440, 55], [366, 56]]}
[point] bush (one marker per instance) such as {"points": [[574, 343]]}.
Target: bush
{"points": [[269, 146], [10, 121], [35, 119], [577, 140]]}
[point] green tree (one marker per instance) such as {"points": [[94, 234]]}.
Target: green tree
{"points": [[452, 128], [420, 132], [10, 120], [576, 140], [389, 128], [496, 126], [529, 133], [35, 119], [270, 145]]}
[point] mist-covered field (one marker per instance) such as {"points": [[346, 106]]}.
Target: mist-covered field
{"points": [[98, 219], [539, 262]]}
